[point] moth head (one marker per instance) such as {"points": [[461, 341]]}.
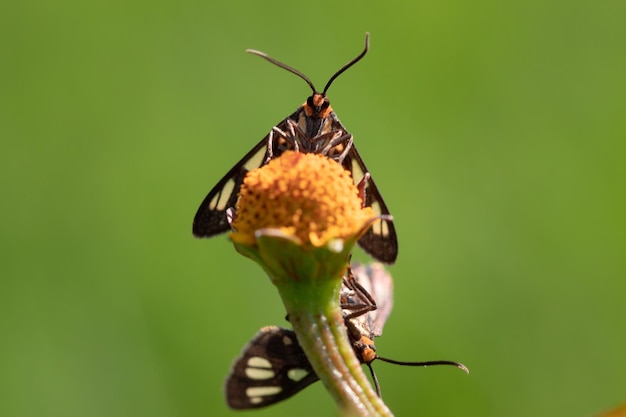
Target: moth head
{"points": [[367, 350], [317, 106]]}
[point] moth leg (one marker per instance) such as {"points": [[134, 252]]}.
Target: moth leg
{"points": [[357, 310], [327, 138], [362, 188], [274, 138], [270, 143], [231, 215], [295, 129], [293, 126], [365, 302], [340, 139], [363, 294], [334, 136]]}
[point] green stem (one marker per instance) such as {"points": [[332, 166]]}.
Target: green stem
{"points": [[309, 281], [316, 317]]}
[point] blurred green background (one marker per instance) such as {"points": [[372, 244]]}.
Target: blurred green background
{"points": [[495, 131]]}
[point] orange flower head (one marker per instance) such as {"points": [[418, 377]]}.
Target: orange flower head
{"points": [[305, 195]]}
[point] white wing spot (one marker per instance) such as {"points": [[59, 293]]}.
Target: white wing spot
{"points": [[253, 392], [259, 362], [296, 374], [357, 172], [256, 160], [384, 228], [259, 374], [287, 340], [221, 199], [381, 228]]}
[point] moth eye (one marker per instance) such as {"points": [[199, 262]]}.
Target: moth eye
{"points": [[325, 104], [309, 102]]}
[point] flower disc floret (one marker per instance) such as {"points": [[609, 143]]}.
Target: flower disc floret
{"points": [[305, 195]]}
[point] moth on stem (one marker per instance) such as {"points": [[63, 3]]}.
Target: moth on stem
{"points": [[299, 217], [272, 367]]}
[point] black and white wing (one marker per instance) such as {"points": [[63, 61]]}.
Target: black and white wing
{"points": [[271, 368], [211, 219], [381, 240]]}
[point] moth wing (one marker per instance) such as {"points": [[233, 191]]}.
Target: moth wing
{"points": [[271, 368], [210, 219], [380, 241], [379, 284]]}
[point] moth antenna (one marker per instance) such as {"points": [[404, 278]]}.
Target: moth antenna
{"points": [[427, 363], [375, 379], [283, 66], [349, 64]]}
